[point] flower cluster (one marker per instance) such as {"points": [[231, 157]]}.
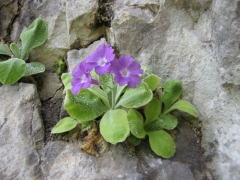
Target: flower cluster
{"points": [[103, 61]]}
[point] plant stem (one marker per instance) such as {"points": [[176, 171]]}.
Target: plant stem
{"points": [[114, 89]]}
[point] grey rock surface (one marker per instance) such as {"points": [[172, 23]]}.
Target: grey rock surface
{"points": [[51, 84], [21, 131], [74, 57], [24, 157], [71, 24], [114, 164], [198, 44], [8, 11]]}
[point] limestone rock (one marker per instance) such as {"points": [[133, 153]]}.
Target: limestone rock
{"points": [[8, 11], [50, 85], [197, 43], [115, 164], [22, 132], [71, 24], [76, 56], [80, 17]]}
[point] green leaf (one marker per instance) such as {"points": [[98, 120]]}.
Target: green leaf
{"points": [[11, 70], [94, 74], [84, 106], [26, 56], [135, 120], [152, 81], [34, 68], [137, 97], [61, 66], [66, 79], [120, 90], [152, 110], [86, 125], [15, 50], [162, 143], [64, 125], [114, 126], [35, 35], [4, 49], [172, 91], [105, 82], [184, 106], [133, 140], [101, 94], [163, 122]]}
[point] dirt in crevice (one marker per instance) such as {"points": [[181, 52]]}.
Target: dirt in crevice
{"points": [[50, 114], [104, 14]]}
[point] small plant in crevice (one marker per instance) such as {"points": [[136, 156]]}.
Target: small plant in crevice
{"points": [[61, 67], [124, 100], [13, 58]]}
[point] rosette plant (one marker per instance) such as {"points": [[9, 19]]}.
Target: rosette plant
{"points": [[127, 102], [13, 59]]}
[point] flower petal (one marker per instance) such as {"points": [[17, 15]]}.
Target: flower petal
{"points": [[134, 81], [101, 70], [125, 61], [120, 80], [104, 51], [135, 68]]}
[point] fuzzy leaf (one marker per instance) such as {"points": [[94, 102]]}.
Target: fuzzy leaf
{"points": [[152, 110], [184, 106], [152, 81], [4, 50], [135, 120], [133, 140], [106, 81], [66, 79], [172, 91], [64, 125], [163, 122], [114, 126], [35, 35], [15, 50], [11, 70], [162, 143], [137, 97], [34, 68], [84, 106], [120, 90], [101, 94]]}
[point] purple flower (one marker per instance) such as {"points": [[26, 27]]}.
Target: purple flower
{"points": [[81, 78], [100, 59], [126, 71]]}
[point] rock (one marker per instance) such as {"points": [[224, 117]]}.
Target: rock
{"points": [[76, 56], [54, 14], [50, 86], [71, 24], [80, 165], [226, 33], [22, 132], [8, 11], [196, 42], [80, 17], [115, 164]]}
